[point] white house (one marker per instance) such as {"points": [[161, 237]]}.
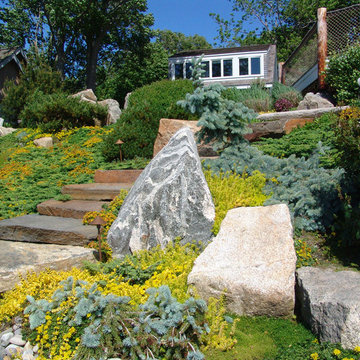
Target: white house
{"points": [[235, 67]]}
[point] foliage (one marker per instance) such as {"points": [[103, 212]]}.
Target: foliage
{"points": [[175, 42], [281, 91], [139, 123], [283, 105], [222, 121], [160, 327], [132, 70], [304, 253], [342, 74], [62, 30], [257, 97], [58, 111], [309, 190], [37, 76], [230, 190], [30, 175], [347, 142], [302, 142]]}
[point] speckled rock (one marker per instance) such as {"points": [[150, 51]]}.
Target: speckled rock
{"points": [[252, 261], [169, 199]]}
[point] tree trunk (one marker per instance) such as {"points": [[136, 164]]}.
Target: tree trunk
{"points": [[93, 48]]}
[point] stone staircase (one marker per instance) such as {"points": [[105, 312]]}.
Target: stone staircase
{"points": [[55, 237]]}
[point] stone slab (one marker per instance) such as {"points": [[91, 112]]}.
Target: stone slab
{"points": [[329, 303], [251, 261], [116, 176], [75, 209], [18, 258], [95, 191], [47, 229]]}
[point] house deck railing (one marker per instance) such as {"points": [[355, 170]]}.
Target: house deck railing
{"points": [[342, 29]]}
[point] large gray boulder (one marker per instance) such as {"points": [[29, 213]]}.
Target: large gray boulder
{"points": [[251, 261], [315, 101], [169, 199], [330, 304]]}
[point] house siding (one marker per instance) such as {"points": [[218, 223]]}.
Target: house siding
{"points": [[9, 72]]}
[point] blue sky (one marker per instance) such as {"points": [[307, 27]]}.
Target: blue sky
{"points": [[189, 16]]}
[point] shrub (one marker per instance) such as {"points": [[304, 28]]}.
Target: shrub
{"points": [[309, 190], [303, 141], [283, 105], [230, 190], [342, 74], [54, 112], [162, 326], [281, 91], [37, 75], [257, 97], [139, 123]]}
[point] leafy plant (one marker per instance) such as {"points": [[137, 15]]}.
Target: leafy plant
{"points": [[342, 74], [283, 105], [281, 91]]}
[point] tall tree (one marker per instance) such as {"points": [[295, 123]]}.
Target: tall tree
{"points": [[78, 31], [174, 42]]}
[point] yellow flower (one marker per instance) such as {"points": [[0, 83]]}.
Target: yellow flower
{"points": [[357, 349], [315, 356], [336, 352]]}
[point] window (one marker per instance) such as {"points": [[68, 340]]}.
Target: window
{"points": [[228, 71], [255, 66], [179, 71], [216, 68], [188, 70], [250, 66], [206, 68], [244, 66]]}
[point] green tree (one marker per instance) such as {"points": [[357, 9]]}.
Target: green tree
{"points": [[77, 32], [281, 22], [132, 70], [174, 42]]}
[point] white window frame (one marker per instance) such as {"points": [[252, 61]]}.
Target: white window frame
{"points": [[249, 57]]}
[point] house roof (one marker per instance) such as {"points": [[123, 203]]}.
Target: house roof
{"points": [[260, 47], [8, 54]]}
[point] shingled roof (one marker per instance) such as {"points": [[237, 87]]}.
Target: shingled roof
{"points": [[8, 54], [239, 49]]}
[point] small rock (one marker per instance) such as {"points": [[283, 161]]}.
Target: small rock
{"points": [[126, 103], [45, 142], [86, 95], [27, 356], [28, 348], [18, 330], [36, 348], [5, 131], [13, 349], [113, 109], [17, 340], [5, 339], [8, 330]]}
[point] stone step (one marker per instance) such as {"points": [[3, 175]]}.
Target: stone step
{"points": [[47, 229], [95, 191], [116, 176], [75, 209], [17, 258]]}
